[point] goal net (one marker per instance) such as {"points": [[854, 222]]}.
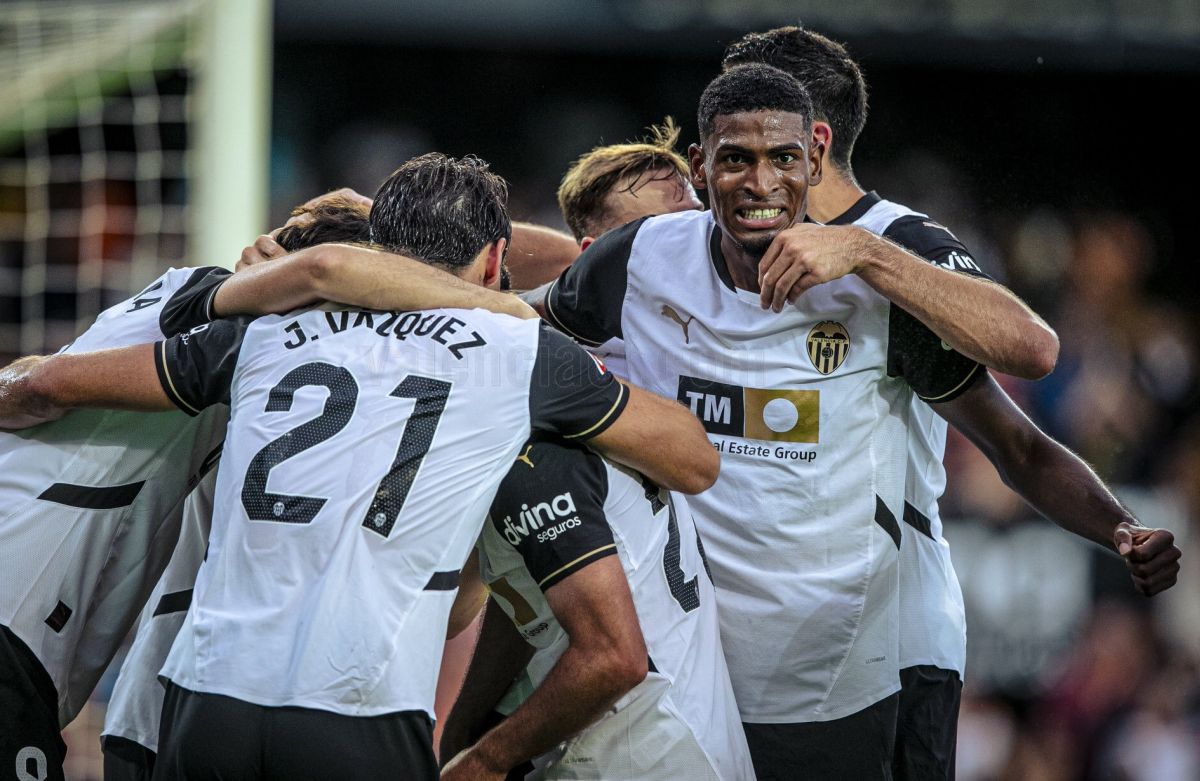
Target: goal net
{"points": [[103, 112]]}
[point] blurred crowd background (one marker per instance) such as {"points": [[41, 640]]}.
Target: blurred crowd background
{"points": [[1053, 138]]}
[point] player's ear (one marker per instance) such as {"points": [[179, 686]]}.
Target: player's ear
{"points": [[586, 242], [494, 263], [696, 166], [822, 134]]}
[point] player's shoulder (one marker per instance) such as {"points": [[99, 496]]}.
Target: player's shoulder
{"points": [[906, 225], [673, 224]]}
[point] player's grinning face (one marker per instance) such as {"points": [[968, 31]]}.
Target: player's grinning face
{"points": [[757, 167]]}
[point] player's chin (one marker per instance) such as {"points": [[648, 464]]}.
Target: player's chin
{"points": [[756, 243]]}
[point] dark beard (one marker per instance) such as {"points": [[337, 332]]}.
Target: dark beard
{"points": [[756, 248]]}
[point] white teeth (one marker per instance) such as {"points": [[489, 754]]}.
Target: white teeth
{"points": [[763, 214]]}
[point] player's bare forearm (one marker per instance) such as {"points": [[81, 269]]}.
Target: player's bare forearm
{"points": [[355, 276], [979, 318], [538, 254], [21, 406], [1059, 484], [500, 655], [605, 659], [469, 600], [40, 388], [663, 440]]}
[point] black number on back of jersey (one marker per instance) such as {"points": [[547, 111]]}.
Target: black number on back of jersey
{"points": [[339, 408], [685, 592], [430, 396]]}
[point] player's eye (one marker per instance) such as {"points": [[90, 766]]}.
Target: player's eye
{"points": [[787, 158], [735, 158]]}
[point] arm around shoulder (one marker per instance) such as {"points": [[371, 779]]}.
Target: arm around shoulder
{"points": [[41, 388], [662, 440]]}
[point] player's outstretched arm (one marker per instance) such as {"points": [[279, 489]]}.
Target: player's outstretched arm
{"points": [[975, 316], [354, 276], [663, 440], [500, 655], [606, 658], [40, 388], [1059, 485]]}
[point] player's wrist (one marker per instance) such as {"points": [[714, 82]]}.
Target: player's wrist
{"points": [[492, 755], [869, 253]]}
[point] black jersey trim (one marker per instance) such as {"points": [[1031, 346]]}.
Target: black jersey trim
{"points": [[916, 519], [557, 323], [443, 581], [718, 259], [168, 384], [15, 653], [610, 417], [958, 390], [571, 567], [92, 497], [860, 207], [884, 517], [175, 602], [59, 617]]}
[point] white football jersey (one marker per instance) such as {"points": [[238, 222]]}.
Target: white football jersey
{"points": [[135, 708], [90, 504], [363, 451], [808, 408], [561, 508], [932, 612]]}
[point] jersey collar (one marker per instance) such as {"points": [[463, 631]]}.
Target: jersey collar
{"points": [[718, 258], [860, 207]]}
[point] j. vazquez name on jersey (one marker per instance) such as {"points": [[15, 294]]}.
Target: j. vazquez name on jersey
{"points": [[753, 413], [443, 329], [559, 512]]}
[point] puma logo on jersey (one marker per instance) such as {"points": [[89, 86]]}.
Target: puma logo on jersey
{"points": [[534, 519], [669, 311], [525, 456]]}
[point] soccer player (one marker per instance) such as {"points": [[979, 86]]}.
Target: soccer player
{"points": [[604, 574], [89, 513], [617, 184], [131, 722], [89, 578], [605, 188], [803, 405], [317, 620], [1042, 471]]}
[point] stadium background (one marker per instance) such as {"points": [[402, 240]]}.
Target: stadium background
{"points": [[1051, 136]]}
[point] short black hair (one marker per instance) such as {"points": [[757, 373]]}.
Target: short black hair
{"points": [[335, 220], [441, 210], [752, 87], [824, 67]]}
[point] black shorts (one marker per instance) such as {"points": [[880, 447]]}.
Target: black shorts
{"points": [[927, 726], [210, 736], [30, 744], [858, 747], [126, 760]]}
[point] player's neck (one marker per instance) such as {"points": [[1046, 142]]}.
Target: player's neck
{"points": [[834, 196], [742, 266]]}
